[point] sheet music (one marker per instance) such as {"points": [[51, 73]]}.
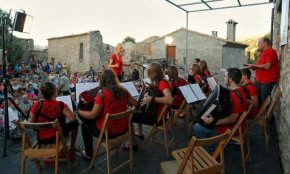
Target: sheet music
{"points": [[211, 82], [188, 94], [210, 109], [197, 91], [66, 99], [81, 87], [147, 80], [130, 88]]}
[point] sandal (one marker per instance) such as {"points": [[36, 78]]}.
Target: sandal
{"points": [[127, 148]]}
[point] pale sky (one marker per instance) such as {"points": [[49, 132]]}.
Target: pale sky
{"points": [[139, 19]]}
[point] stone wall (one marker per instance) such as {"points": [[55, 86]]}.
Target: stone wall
{"points": [[67, 50], [282, 115]]}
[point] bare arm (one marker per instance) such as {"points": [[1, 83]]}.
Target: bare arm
{"points": [[32, 118], [69, 114], [94, 113], [132, 101], [254, 101], [166, 99], [232, 118], [111, 65], [265, 66]]}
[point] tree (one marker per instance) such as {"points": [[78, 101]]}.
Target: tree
{"points": [[129, 39], [14, 45]]}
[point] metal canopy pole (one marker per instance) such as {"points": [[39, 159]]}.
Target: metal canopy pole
{"points": [[186, 45]]}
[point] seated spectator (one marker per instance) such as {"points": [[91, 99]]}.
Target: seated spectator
{"points": [[48, 111], [232, 79], [174, 83], [25, 104], [251, 92], [112, 98]]}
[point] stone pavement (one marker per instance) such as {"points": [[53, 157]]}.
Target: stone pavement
{"points": [[148, 161]]}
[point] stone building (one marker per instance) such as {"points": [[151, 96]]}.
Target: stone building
{"points": [[80, 51], [219, 53], [282, 115]]}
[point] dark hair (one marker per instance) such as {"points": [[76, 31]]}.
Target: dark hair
{"points": [[47, 90], [110, 81], [246, 72], [155, 73], [196, 69], [266, 40], [197, 60], [173, 70], [203, 65], [235, 74]]}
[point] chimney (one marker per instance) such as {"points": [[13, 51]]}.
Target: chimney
{"points": [[214, 33], [231, 30]]}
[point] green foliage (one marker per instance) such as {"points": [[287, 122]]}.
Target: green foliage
{"points": [[14, 45], [129, 39]]}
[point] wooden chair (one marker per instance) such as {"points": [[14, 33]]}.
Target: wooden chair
{"points": [[162, 125], [109, 144], [240, 137], [36, 150], [177, 112], [195, 159]]}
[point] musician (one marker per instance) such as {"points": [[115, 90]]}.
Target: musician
{"points": [[195, 75], [174, 83], [155, 74], [116, 62], [232, 79], [204, 69], [112, 98], [50, 110]]}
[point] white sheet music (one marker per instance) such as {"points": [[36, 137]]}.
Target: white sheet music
{"points": [[66, 99], [130, 88], [197, 91], [211, 82], [81, 87], [188, 94], [147, 80]]}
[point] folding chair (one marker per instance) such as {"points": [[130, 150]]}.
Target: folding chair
{"points": [[161, 125], [195, 159], [240, 138], [36, 150], [107, 143], [177, 112]]}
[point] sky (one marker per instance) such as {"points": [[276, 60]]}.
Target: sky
{"points": [[140, 19]]}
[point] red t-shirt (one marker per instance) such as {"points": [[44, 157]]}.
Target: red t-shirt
{"points": [[178, 97], [112, 106], [252, 90], [161, 86], [206, 73], [237, 107], [51, 109], [116, 60], [271, 75]]}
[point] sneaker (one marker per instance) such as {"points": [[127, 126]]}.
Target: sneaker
{"points": [[86, 156]]}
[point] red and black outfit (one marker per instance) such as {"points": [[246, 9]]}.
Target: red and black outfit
{"points": [[176, 93], [117, 70], [251, 90], [49, 111], [116, 127]]}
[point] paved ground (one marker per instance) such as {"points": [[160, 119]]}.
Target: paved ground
{"points": [[148, 161]]}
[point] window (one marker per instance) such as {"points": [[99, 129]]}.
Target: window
{"points": [[81, 51]]}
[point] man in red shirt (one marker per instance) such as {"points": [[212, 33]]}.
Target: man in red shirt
{"points": [[267, 69], [232, 79], [251, 92]]}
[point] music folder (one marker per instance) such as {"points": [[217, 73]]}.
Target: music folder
{"points": [[192, 93], [130, 88], [211, 82]]}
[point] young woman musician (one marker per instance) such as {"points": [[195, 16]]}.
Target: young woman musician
{"points": [[203, 67], [155, 74], [112, 98], [116, 61]]}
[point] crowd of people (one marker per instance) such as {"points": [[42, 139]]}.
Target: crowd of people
{"points": [[113, 98]]}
